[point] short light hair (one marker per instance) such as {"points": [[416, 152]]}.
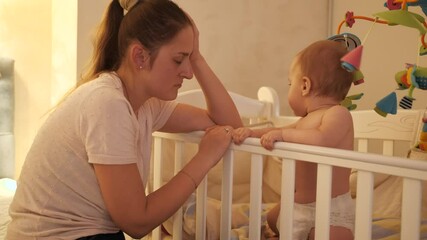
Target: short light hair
{"points": [[321, 62]]}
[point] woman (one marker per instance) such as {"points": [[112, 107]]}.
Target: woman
{"points": [[85, 174]]}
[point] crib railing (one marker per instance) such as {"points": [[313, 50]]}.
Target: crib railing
{"points": [[413, 173]]}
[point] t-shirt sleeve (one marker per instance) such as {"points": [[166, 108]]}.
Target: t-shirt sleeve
{"points": [[108, 128], [161, 111]]}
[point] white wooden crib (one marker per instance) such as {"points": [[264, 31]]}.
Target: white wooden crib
{"points": [[387, 134]]}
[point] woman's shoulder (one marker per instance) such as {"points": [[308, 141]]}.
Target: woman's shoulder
{"points": [[105, 86]]}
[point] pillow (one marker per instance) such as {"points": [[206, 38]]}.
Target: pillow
{"points": [[7, 190]]}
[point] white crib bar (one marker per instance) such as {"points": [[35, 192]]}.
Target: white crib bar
{"points": [[177, 218], [227, 195], [411, 201], [362, 145], [287, 199], [388, 146], [363, 221], [157, 180], [255, 197], [323, 200], [201, 200]]}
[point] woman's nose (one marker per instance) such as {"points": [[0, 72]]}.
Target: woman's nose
{"points": [[187, 72]]}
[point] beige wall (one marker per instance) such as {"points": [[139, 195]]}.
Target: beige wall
{"points": [[50, 41], [25, 36], [249, 43]]}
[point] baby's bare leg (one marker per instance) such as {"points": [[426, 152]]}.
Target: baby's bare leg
{"points": [[340, 233], [272, 217], [336, 233]]}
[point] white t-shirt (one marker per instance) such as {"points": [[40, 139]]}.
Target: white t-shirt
{"points": [[58, 194]]}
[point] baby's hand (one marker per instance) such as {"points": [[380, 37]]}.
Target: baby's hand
{"points": [[240, 134], [267, 140]]}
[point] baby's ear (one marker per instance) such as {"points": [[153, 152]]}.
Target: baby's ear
{"points": [[306, 86]]}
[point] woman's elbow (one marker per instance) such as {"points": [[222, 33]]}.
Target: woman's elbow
{"points": [[137, 231], [134, 225]]}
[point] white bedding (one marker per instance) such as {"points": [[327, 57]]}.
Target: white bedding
{"points": [[7, 190], [239, 220]]}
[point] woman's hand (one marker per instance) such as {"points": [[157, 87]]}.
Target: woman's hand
{"points": [[240, 134], [196, 51], [215, 142]]}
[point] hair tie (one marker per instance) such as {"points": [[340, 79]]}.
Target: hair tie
{"points": [[127, 4]]}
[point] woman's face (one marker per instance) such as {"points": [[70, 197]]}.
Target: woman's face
{"points": [[171, 66], [295, 97]]}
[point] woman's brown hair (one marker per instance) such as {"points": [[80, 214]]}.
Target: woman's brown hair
{"points": [[151, 22]]}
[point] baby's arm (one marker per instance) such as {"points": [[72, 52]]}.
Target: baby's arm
{"points": [[336, 124], [333, 128], [240, 134]]}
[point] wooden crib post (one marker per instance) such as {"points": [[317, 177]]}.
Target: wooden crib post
{"points": [[323, 200], [201, 200], [363, 221], [255, 196], [411, 205], [157, 180], [227, 194], [287, 199], [177, 218]]}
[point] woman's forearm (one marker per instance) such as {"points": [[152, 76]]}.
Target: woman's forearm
{"points": [[220, 105], [162, 203]]}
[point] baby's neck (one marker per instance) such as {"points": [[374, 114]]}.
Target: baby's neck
{"points": [[318, 104]]}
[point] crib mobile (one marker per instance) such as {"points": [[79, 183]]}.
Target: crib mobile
{"points": [[412, 77]]}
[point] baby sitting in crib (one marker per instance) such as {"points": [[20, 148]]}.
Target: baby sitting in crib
{"points": [[317, 85]]}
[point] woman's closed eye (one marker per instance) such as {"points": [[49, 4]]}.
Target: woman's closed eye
{"points": [[178, 60]]}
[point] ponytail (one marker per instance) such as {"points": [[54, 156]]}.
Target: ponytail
{"points": [[106, 55]]}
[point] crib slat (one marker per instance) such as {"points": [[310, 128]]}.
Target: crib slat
{"points": [[157, 180], [177, 219], [323, 200], [363, 222], [255, 197], [201, 200], [227, 194], [362, 145], [388, 146], [411, 205], [287, 199]]}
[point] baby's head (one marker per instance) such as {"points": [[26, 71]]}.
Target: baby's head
{"points": [[321, 63]]}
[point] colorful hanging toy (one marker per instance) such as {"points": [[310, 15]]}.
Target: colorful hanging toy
{"points": [[414, 76], [351, 62], [423, 135]]}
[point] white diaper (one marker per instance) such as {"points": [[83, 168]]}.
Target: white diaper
{"points": [[342, 215]]}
